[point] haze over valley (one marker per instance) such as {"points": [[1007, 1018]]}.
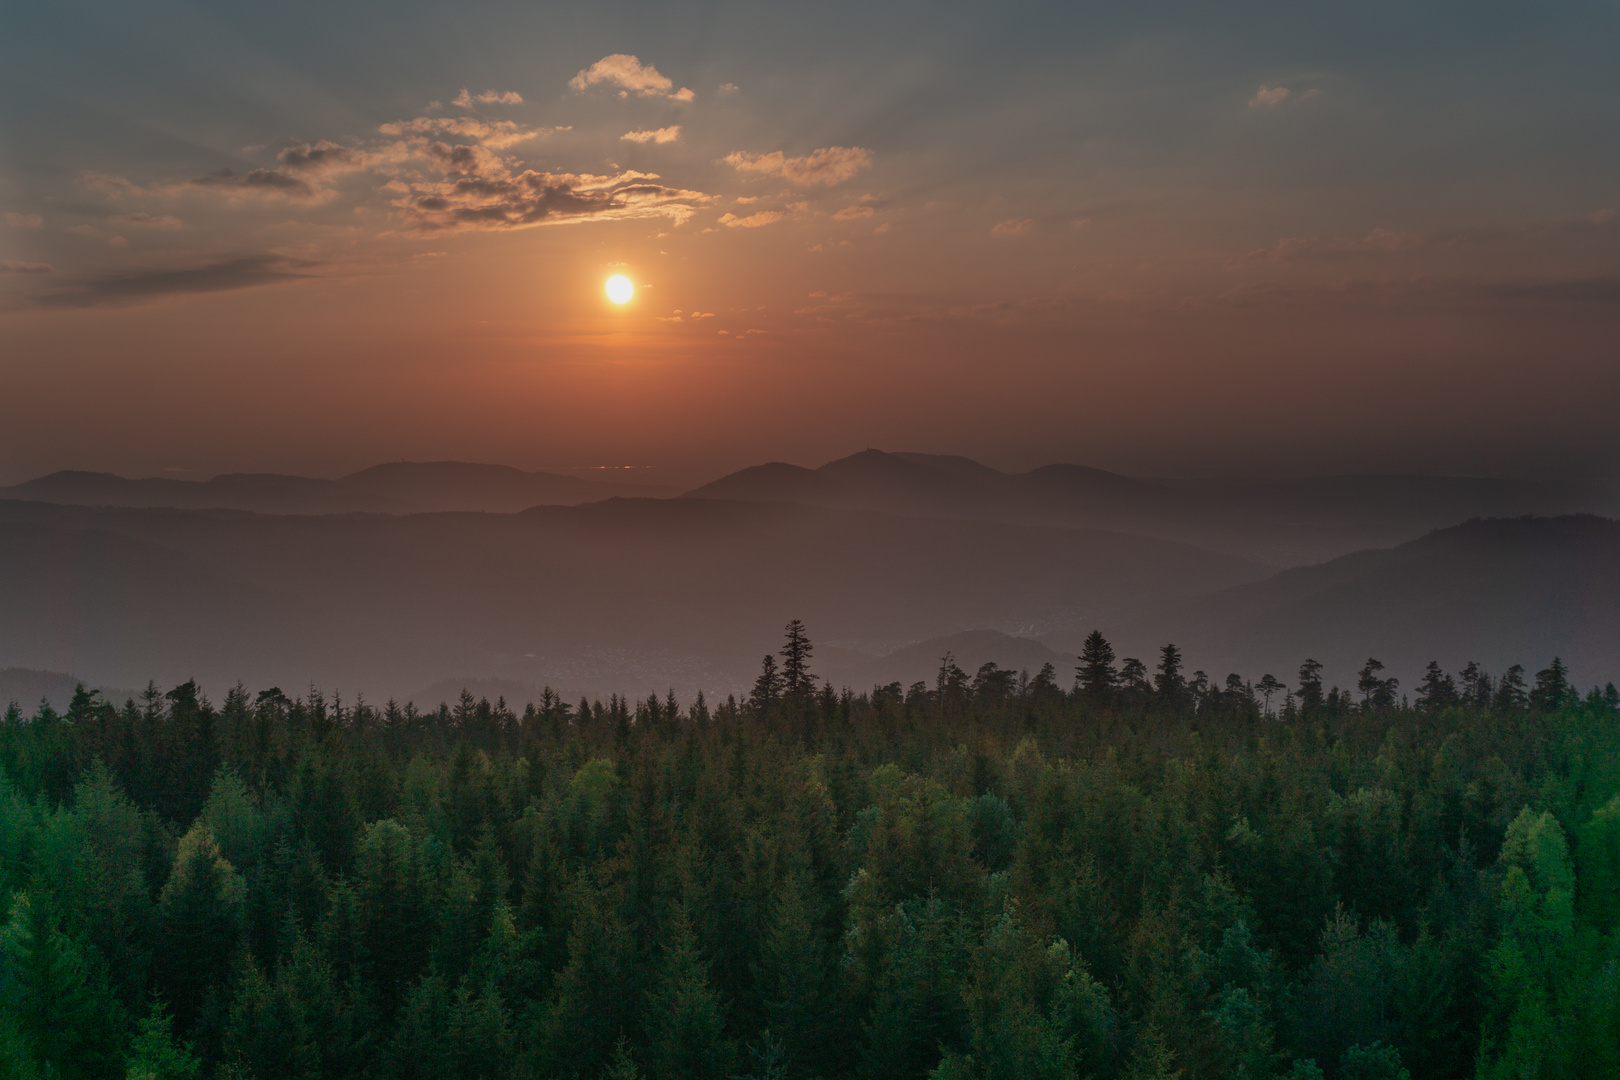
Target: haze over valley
{"points": [[407, 580]]}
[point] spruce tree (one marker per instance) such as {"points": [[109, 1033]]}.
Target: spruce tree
{"points": [[685, 1023], [797, 682], [1095, 673]]}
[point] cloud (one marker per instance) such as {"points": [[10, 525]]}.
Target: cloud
{"points": [[321, 159], [22, 221], [301, 176], [498, 198], [729, 88], [752, 221], [853, 213], [660, 135], [148, 221], [631, 76], [1269, 97], [1013, 227], [24, 268], [464, 100], [494, 134], [830, 165], [134, 287]]}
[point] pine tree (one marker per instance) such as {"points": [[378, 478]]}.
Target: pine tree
{"points": [[156, 1054], [797, 682], [685, 1023], [1311, 697], [1510, 694], [1552, 690], [200, 919], [1095, 673], [1168, 683], [1437, 690], [64, 1013], [767, 688]]}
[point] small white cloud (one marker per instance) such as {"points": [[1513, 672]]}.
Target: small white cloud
{"points": [[830, 165], [465, 100], [752, 221], [1013, 227], [630, 76], [1269, 97], [853, 213], [22, 221], [730, 88], [657, 135]]}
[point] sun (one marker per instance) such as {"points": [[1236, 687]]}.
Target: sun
{"points": [[620, 289]]}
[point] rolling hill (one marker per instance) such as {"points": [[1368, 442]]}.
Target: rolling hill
{"points": [[1498, 591], [401, 487], [617, 595], [1286, 523]]}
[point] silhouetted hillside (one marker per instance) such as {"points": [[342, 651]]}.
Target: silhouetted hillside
{"points": [[606, 596], [1499, 591], [1286, 523], [402, 487]]}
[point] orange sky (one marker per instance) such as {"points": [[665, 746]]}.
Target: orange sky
{"points": [[1279, 268]]}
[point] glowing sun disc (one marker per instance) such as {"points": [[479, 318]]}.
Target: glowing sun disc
{"points": [[620, 289]]}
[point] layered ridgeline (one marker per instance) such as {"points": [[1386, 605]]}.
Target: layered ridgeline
{"points": [[401, 487], [988, 877], [633, 595], [628, 593], [1284, 523], [1281, 523]]}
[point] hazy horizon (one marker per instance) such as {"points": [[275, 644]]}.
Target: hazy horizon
{"points": [[1159, 241]]}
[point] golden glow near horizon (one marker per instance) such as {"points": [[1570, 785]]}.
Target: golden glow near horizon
{"points": [[620, 289]]}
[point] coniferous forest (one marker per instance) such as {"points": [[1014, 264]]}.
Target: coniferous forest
{"points": [[1124, 871]]}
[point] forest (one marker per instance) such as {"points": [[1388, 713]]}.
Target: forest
{"points": [[1129, 870]]}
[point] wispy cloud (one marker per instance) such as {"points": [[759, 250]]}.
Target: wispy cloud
{"points": [[24, 268], [1013, 227], [659, 135], [21, 221], [853, 213], [301, 176], [827, 166], [138, 286], [465, 100], [752, 221], [1269, 97], [630, 76], [147, 221], [494, 134]]}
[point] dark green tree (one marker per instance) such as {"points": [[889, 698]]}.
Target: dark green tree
{"points": [[1095, 672]]}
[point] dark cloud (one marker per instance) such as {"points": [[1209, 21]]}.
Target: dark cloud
{"points": [[496, 199], [259, 181], [139, 286]]}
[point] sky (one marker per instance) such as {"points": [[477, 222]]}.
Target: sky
{"points": [[1160, 238]]}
